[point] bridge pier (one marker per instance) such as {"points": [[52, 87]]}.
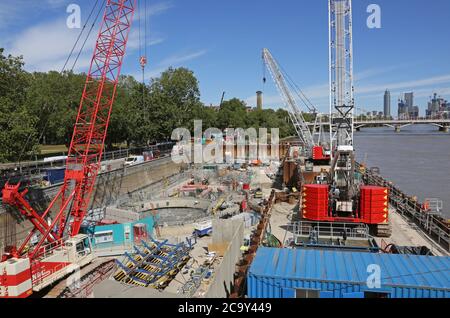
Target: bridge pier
{"points": [[444, 129], [397, 129]]}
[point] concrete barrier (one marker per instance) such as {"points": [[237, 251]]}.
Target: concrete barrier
{"points": [[231, 232]]}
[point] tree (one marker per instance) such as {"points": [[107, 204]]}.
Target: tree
{"points": [[232, 114], [54, 98], [126, 118], [285, 124], [207, 115], [17, 125], [173, 101]]}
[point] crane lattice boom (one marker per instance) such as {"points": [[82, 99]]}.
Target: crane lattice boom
{"points": [[341, 98], [295, 114], [88, 139]]}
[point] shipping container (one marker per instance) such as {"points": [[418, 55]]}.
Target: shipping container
{"points": [[108, 234], [55, 175], [315, 273]]}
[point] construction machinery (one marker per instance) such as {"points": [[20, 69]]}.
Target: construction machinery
{"points": [[60, 249], [314, 150], [343, 199]]}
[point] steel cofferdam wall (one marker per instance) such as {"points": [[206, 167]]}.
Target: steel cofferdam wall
{"points": [[110, 186]]}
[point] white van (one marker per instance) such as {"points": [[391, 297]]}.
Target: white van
{"points": [[134, 160]]}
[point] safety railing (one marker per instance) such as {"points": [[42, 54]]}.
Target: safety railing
{"points": [[311, 229], [429, 223], [29, 169]]}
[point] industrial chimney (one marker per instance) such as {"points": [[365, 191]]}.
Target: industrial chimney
{"points": [[259, 100]]}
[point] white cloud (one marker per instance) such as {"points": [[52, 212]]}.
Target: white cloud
{"points": [[45, 46], [154, 9], [152, 39], [174, 61], [10, 12], [178, 59], [406, 85], [56, 3], [319, 94], [17, 12], [370, 73]]}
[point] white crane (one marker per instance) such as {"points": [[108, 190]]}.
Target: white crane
{"points": [[342, 101], [295, 114]]}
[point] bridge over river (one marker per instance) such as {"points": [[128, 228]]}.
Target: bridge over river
{"points": [[397, 124]]}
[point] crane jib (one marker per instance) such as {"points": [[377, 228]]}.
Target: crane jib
{"points": [[89, 134]]}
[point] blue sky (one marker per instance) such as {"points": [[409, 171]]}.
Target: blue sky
{"points": [[221, 41]]}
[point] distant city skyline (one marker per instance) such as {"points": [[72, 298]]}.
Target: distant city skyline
{"points": [[408, 99]]}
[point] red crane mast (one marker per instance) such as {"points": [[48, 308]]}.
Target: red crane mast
{"points": [[88, 139]]}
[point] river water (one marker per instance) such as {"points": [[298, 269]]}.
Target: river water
{"points": [[417, 159]]}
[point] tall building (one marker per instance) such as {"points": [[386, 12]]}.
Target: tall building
{"points": [[409, 100], [387, 104], [406, 108], [437, 106], [402, 109], [413, 112]]}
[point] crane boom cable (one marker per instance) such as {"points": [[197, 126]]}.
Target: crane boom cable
{"points": [[139, 28], [87, 37], [306, 101], [294, 112], [89, 134], [42, 132], [145, 28], [79, 35]]}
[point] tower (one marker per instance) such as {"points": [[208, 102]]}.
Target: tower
{"points": [[387, 104], [259, 100]]}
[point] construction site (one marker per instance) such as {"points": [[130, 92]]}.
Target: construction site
{"points": [[306, 223]]}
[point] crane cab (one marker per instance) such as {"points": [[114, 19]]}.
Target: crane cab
{"points": [[61, 261], [79, 250]]}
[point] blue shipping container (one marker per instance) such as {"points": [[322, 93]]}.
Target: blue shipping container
{"points": [[299, 273], [56, 175]]}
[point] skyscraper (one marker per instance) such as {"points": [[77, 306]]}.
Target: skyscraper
{"points": [[409, 100], [402, 109], [387, 104]]}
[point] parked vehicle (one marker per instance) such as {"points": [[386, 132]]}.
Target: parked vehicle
{"points": [[134, 160]]}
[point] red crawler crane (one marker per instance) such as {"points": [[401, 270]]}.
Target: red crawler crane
{"points": [[82, 166]]}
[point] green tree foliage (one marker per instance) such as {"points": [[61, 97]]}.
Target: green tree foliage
{"points": [[233, 114], [54, 99], [41, 108], [125, 123], [17, 133], [173, 101]]}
